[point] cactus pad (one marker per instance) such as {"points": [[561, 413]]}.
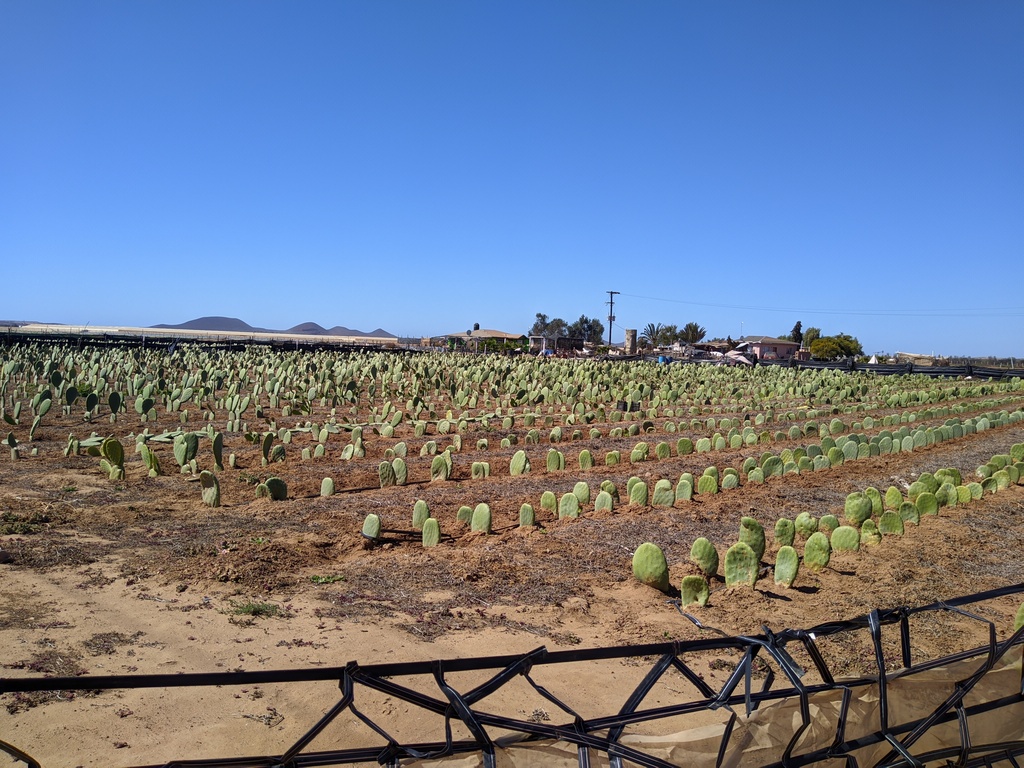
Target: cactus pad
{"points": [[741, 565], [787, 565], [694, 591], [705, 556], [650, 566]]}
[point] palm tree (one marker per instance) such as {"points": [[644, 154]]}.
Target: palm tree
{"points": [[651, 334], [692, 333]]}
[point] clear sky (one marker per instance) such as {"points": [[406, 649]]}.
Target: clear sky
{"points": [[423, 166]]}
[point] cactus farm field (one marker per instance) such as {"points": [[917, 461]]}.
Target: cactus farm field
{"points": [[210, 510]]}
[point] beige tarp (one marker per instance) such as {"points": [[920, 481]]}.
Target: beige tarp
{"points": [[762, 738]]}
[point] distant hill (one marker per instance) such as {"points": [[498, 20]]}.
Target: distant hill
{"points": [[233, 324], [214, 323]]}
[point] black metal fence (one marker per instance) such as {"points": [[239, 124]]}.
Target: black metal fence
{"points": [[766, 674]]}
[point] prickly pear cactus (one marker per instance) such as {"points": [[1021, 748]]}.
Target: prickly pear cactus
{"points": [[650, 566], [586, 459], [582, 491], [890, 523], [869, 534], [569, 506], [741, 565], [908, 513], [694, 591], [211, 488], [401, 470], [845, 538], [327, 487], [278, 488], [465, 514], [817, 551], [218, 451], [707, 485], [482, 518], [420, 514], [705, 556], [752, 534], [386, 474], [785, 532], [893, 498], [371, 527], [805, 524], [604, 502], [684, 490], [787, 565], [555, 460], [519, 465], [526, 516], [827, 524], [638, 494], [664, 494], [857, 509], [439, 469], [431, 533], [927, 504], [548, 501]]}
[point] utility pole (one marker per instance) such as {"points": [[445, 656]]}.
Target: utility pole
{"points": [[611, 313]]}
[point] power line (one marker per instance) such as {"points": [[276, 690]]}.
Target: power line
{"points": [[962, 312]]}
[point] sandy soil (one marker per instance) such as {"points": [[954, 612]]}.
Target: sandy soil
{"points": [[140, 577]]}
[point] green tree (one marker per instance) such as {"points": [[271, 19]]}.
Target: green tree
{"points": [[692, 333], [826, 348], [549, 329], [835, 347], [797, 333], [589, 329], [810, 335], [651, 334]]}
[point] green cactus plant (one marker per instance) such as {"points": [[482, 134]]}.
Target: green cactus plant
{"points": [[526, 516], [741, 565], [705, 556], [638, 494], [569, 506], [817, 551], [386, 474], [586, 460], [845, 538], [805, 524], [211, 488], [439, 469], [650, 566], [482, 518], [869, 533], [465, 514], [787, 565], [927, 504], [890, 523], [604, 502], [582, 491], [664, 494], [431, 533], [519, 465], [785, 532], [278, 488], [752, 534], [371, 527], [420, 514], [327, 487], [857, 509], [549, 502], [707, 484], [693, 590]]}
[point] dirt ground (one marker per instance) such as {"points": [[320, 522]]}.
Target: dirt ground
{"points": [[138, 576]]}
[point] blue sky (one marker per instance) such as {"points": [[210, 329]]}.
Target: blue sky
{"points": [[423, 166]]}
